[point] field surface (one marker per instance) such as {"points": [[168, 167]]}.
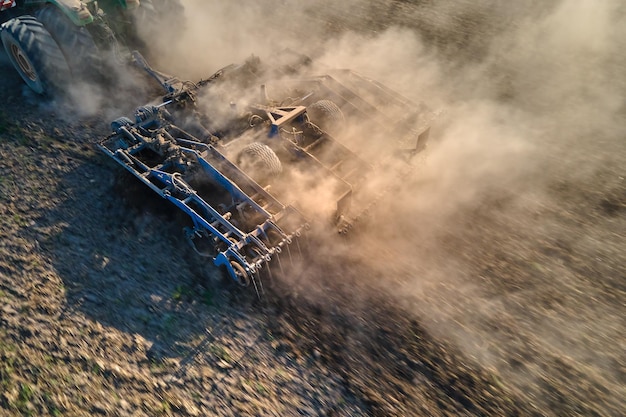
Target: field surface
{"points": [[494, 284]]}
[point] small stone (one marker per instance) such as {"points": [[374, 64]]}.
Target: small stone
{"points": [[99, 409], [10, 396], [207, 371], [91, 298], [191, 409], [123, 404], [222, 364], [7, 309]]}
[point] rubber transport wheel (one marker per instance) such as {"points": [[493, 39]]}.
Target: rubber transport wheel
{"points": [[327, 115], [76, 43], [259, 161], [35, 55]]}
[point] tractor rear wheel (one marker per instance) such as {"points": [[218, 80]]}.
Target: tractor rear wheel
{"points": [[35, 55], [76, 43]]}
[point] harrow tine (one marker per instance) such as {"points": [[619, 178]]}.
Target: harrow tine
{"points": [[269, 274], [289, 253], [297, 239], [256, 288], [258, 276], [305, 242], [280, 264]]}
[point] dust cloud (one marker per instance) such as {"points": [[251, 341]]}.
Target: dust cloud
{"points": [[533, 125], [219, 33], [532, 100], [115, 90], [531, 94]]}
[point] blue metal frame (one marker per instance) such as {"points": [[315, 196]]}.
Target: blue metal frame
{"points": [[251, 250], [244, 250]]}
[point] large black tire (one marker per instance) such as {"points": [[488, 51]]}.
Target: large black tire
{"points": [[259, 161], [327, 115], [76, 43], [35, 55]]}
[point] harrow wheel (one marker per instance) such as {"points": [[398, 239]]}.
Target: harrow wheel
{"points": [[259, 161], [241, 276], [327, 115]]}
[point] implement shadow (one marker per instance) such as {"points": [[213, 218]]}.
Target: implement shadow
{"points": [[131, 271], [127, 265]]}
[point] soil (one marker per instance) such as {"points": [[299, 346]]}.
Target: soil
{"points": [[105, 310]]}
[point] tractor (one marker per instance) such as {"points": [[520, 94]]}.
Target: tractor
{"points": [[52, 42]]}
